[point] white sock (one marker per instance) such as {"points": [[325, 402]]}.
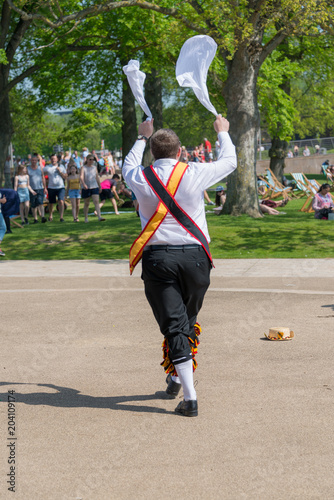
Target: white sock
{"points": [[176, 379], [185, 373]]}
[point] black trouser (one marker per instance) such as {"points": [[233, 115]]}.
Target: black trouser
{"points": [[7, 222], [176, 279]]}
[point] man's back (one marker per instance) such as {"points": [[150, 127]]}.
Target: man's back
{"points": [[189, 195]]}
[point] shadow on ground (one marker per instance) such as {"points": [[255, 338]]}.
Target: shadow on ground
{"points": [[66, 397]]}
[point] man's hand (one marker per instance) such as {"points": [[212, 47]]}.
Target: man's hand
{"points": [[221, 124], [146, 128], [3, 200]]}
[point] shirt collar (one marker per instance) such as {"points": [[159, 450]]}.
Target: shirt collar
{"points": [[165, 162]]}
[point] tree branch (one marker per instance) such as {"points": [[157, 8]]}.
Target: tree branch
{"points": [[18, 79], [95, 10], [16, 39], [272, 45], [55, 39], [5, 23], [85, 48]]}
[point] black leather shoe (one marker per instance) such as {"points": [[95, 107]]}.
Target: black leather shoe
{"points": [[187, 408], [173, 388]]}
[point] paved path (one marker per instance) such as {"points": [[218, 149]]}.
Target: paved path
{"points": [[229, 267], [81, 349]]}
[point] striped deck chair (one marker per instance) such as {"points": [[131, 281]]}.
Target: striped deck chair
{"points": [[277, 189], [324, 170], [302, 184], [314, 187]]}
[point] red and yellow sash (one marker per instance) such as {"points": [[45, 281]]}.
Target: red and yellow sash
{"points": [[136, 251]]}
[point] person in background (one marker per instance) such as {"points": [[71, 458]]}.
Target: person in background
{"points": [[220, 199], [330, 173], [2, 223], [77, 160], [91, 186], [195, 155], [95, 156], [41, 160], [217, 149], [110, 164], [73, 189], [37, 183], [109, 192], [207, 150], [322, 203], [8, 184], [67, 158], [101, 166], [306, 151], [22, 186], [85, 153], [201, 153], [184, 155], [56, 186]]}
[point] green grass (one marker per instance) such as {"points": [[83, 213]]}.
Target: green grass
{"points": [[293, 235]]}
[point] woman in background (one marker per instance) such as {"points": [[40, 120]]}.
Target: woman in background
{"points": [[91, 186], [73, 188], [22, 186], [322, 203]]}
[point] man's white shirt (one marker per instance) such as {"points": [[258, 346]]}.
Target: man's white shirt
{"points": [[190, 194]]}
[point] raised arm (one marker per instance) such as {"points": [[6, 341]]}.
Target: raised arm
{"points": [[134, 157]]}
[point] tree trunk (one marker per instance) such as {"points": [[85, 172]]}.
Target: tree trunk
{"points": [[6, 125], [242, 112], [153, 96], [277, 154], [129, 127]]}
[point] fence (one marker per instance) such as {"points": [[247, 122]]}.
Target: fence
{"points": [[326, 145]]}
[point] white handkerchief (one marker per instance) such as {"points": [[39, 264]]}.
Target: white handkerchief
{"points": [[136, 80], [193, 64]]}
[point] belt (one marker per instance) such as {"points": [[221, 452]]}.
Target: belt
{"points": [[172, 247]]}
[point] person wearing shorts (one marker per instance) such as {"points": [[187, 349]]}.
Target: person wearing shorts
{"points": [[73, 189], [56, 186], [3, 200], [22, 186], [91, 186], [37, 183], [109, 192]]}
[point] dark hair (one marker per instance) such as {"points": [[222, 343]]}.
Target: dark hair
{"points": [[165, 144], [324, 186], [71, 164]]}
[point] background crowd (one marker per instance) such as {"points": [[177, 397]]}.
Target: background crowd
{"points": [[36, 186]]}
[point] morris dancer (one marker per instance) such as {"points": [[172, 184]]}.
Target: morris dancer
{"points": [[174, 248]]}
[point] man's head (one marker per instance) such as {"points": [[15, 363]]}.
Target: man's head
{"points": [[34, 162], [165, 144], [54, 159]]}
